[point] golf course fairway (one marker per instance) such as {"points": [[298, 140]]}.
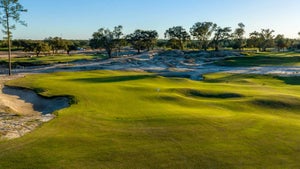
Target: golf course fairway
{"points": [[140, 120]]}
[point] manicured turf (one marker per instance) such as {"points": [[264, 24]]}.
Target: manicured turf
{"points": [[264, 59], [139, 120], [46, 60]]}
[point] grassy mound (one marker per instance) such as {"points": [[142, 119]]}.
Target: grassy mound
{"points": [[138, 120]]}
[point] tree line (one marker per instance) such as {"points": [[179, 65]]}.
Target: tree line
{"points": [[202, 36], [50, 45]]}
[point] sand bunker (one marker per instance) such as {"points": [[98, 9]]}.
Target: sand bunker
{"points": [[22, 110], [39, 103]]}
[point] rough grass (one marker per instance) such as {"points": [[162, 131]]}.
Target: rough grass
{"points": [[47, 60], [138, 120], [264, 59]]}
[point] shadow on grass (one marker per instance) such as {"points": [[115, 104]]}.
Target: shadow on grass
{"points": [[260, 61], [206, 94], [295, 80], [277, 104], [114, 79]]}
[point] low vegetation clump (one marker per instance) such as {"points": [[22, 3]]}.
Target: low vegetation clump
{"points": [[140, 120]]}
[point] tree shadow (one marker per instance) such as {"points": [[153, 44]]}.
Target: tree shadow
{"points": [[114, 79]]}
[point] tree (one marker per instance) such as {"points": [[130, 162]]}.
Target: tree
{"points": [[18, 43], [281, 42], [35, 46], [254, 40], [11, 10], [70, 46], [221, 35], [40, 46], [161, 43], [238, 35], [56, 43], [268, 38], [262, 40], [104, 38], [150, 39], [177, 35], [143, 39], [136, 39], [202, 31], [118, 34]]}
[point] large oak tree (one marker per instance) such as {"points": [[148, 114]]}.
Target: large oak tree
{"points": [[221, 35], [177, 35], [142, 39], [107, 39], [202, 31]]}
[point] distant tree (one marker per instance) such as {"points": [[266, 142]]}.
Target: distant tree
{"points": [[193, 44], [151, 37], [255, 40], [27, 46], [202, 31], [3, 44], [36, 46], [56, 43], [173, 44], [178, 36], [281, 42], [296, 42], [107, 39], [83, 43], [238, 37], [119, 41], [136, 40], [268, 38], [162, 43], [10, 10], [143, 39], [18, 43], [262, 40], [40, 46], [70, 45], [221, 35]]}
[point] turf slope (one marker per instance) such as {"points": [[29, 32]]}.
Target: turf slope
{"points": [[139, 120]]}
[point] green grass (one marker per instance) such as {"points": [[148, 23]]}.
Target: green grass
{"points": [[47, 60], [264, 59], [139, 120]]}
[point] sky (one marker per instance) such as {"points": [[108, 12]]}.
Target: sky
{"points": [[78, 19]]}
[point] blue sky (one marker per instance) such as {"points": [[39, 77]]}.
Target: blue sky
{"points": [[78, 19]]}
